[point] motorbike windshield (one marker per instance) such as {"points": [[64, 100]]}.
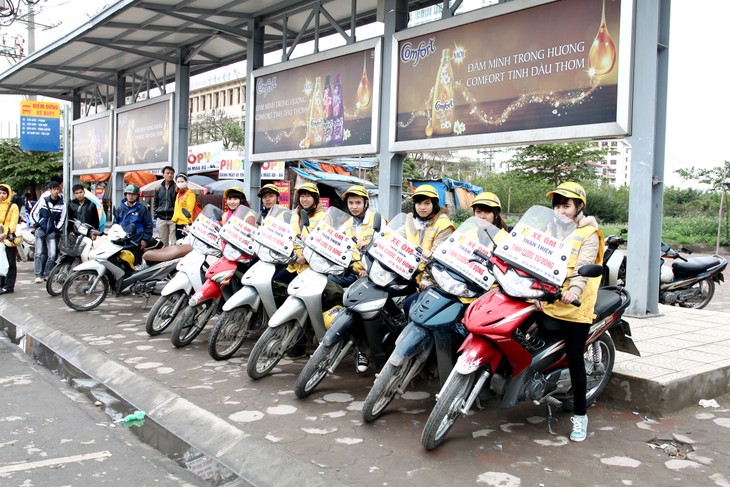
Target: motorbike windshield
{"points": [[274, 239], [205, 230], [393, 254], [328, 249], [240, 229], [538, 246], [457, 253]]}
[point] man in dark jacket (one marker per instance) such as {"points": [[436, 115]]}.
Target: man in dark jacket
{"points": [[135, 219], [47, 216], [164, 206], [82, 209]]}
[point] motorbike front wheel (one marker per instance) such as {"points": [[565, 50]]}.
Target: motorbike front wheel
{"points": [[598, 373], [58, 275], [447, 410], [191, 322], [269, 349], [387, 384], [230, 331], [703, 293], [164, 312], [76, 290], [316, 368]]}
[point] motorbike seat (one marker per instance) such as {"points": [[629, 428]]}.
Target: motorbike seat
{"points": [[694, 266], [606, 303], [167, 253]]}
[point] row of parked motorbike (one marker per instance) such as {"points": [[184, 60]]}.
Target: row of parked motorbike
{"points": [[475, 328]]}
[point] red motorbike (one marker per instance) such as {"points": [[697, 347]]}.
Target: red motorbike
{"points": [[236, 243], [506, 353]]}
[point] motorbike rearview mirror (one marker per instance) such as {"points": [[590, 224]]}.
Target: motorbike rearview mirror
{"points": [[186, 213], [623, 231], [591, 270], [377, 221], [686, 250]]}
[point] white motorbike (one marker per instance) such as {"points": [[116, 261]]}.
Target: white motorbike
{"points": [[72, 250], [253, 305], [111, 266], [328, 252], [190, 275]]}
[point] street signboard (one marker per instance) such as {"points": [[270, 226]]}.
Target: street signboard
{"points": [[40, 126]]}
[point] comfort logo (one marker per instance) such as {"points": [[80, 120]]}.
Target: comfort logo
{"points": [[410, 53]]}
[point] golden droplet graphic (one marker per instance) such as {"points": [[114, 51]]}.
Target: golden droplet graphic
{"points": [[602, 56], [364, 90], [307, 142], [429, 130]]}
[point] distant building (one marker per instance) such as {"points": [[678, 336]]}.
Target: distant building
{"points": [[616, 167]]}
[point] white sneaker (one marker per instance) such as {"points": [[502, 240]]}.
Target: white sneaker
{"points": [[362, 362], [580, 428], [38, 280]]}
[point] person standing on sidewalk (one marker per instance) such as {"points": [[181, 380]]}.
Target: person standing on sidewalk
{"points": [[9, 220], [185, 199], [562, 318], [82, 209], [164, 204], [48, 217]]}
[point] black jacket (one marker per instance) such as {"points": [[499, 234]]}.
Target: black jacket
{"points": [[164, 203], [86, 213]]}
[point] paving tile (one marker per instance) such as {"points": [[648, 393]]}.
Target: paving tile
{"points": [[641, 369]]}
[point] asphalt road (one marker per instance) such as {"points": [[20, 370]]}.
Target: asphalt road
{"points": [[51, 435]]}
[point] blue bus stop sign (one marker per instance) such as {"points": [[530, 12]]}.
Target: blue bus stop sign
{"points": [[40, 126]]}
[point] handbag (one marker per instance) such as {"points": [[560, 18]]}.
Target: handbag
{"points": [[4, 266], [13, 240]]}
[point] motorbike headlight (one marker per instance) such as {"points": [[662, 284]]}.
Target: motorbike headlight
{"points": [[231, 253], [516, 285], [380, 276], [452, 286], [223, 278]]}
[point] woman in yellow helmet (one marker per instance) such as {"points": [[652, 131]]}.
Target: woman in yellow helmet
{"points": [[432, 223], [487, 206], [308, 200], [562, 318], [234, 197]]}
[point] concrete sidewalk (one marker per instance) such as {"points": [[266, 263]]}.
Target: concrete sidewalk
{"points": [[261, 431]]}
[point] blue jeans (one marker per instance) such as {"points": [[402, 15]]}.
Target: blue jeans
{"points": [[46, 249]]}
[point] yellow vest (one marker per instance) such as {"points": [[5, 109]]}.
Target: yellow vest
{"points": [[365, 236], [304, 232], [584, 313], [441, 225]]}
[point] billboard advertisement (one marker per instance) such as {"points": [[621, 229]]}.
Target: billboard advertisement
{"points": [[143, 134], [321, 105], [534, 70], [91, 146]]}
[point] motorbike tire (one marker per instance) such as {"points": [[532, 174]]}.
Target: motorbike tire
{"points": [[706, 290], [230, 331], [75, 286], [191, 322], [315, 370], [58, 275], [269, 349], [164, 312], [447, 410], [385, 388], [596, 384]]}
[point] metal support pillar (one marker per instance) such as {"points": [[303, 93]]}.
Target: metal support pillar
{"points": [[76, 104], [390, 179], [181, 113], [648, 133], [117, 179], [254, 60]]}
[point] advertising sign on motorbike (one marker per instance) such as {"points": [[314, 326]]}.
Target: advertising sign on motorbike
{"points": [[206, 230], [276, 235], [239, 234], [396, 252], [457, 252], [330, 243], [536, 252]]}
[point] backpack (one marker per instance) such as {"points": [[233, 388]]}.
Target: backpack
{"points": [[196, 211]]}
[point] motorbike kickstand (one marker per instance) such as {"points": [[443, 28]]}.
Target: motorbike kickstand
{"points": [[550, 418]]}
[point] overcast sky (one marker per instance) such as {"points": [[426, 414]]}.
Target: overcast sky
{"points": [[699, 73]]}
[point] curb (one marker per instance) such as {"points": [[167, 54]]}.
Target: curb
{"points": [[253, 460]]}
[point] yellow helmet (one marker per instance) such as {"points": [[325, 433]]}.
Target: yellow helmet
{"points": [[569, 190], [426, 190], [488, 199], [269, 188], [330, 315], [356, 190], [234, 189], [309, 188], [127, 257]]}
